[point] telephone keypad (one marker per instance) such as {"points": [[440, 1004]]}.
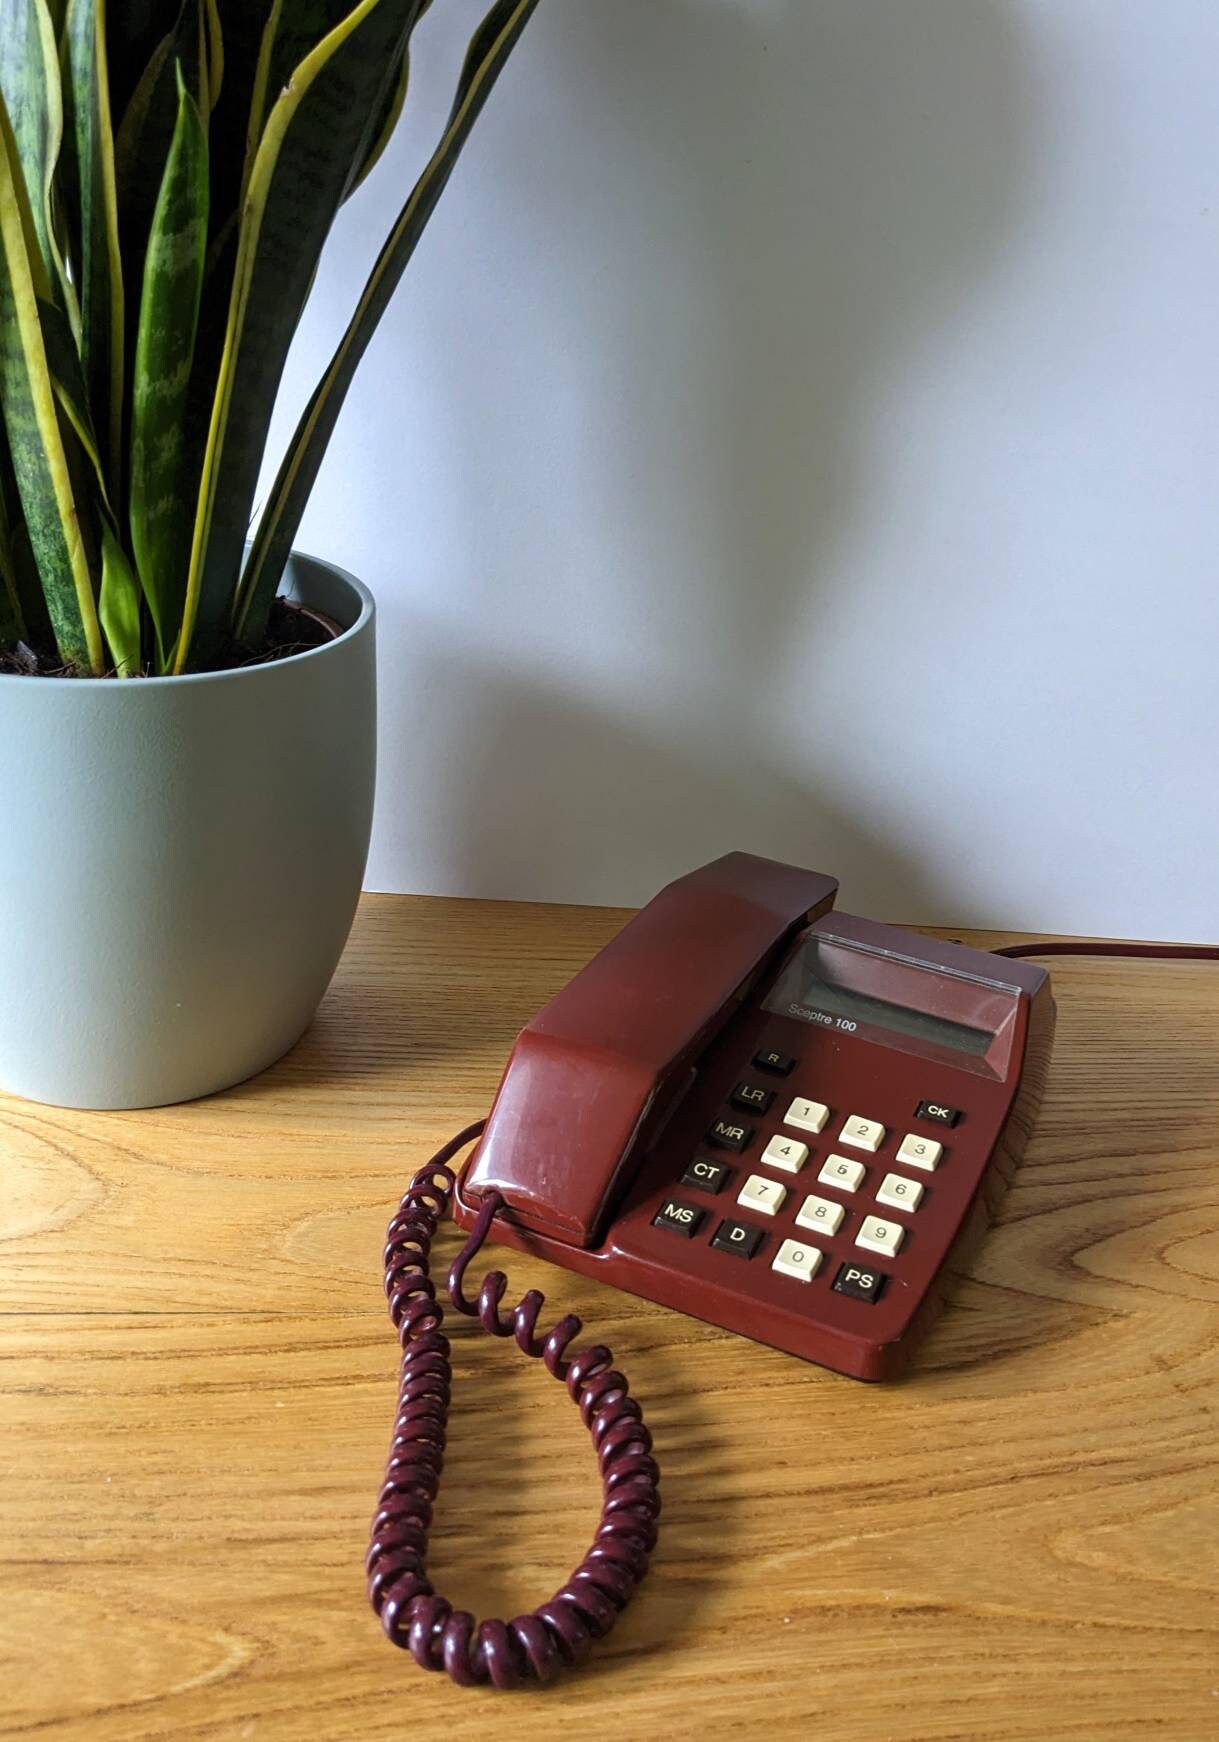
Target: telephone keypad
{"points": [[724, 1134], [763, 1195], [878, 1229], [800, 1262], [897, 1193], [752, 1097], [705, 1175], [860, 1283], [806, 1115], [862, 1133], [878, 1236], [842, 1171], [820, 1213], [679, 1218], [786, 1154], [737, 1237], [920, 1151]]}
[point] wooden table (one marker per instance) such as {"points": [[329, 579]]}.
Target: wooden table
{"points": [[1019, 1541]]}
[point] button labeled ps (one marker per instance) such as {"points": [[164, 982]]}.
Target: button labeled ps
{"points": [[859, 1283]]}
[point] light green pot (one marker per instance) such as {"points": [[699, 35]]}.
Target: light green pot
{"points": [[180, 860]]}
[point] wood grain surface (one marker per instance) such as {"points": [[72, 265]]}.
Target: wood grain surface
{"points": [[1019, 1541]]}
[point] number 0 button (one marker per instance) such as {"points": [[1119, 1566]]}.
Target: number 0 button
{"points": [[792, 1259]]}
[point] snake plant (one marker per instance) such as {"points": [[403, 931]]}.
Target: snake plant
{"points": [[169, 173]]}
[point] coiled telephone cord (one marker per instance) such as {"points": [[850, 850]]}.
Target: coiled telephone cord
{"points": [[531, 1647]]}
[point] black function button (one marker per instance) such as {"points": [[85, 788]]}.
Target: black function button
{"points": [[725, 1135], [778, 1062], [859, 1282], [937, 1112], [706, 1175], [752, 1097], [678, 1218], [738, 1237]]}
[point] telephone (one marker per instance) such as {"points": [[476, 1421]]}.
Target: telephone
{"points": [[751, 1108]]}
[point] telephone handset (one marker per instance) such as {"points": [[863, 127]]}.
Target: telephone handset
{"points": [[782, 1119]]}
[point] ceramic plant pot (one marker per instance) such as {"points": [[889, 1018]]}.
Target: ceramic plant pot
{"points": [[180, 860]]}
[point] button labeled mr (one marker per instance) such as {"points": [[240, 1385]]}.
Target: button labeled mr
{"points": [[725, 1135]]}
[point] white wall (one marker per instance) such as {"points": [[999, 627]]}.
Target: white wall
{"points": [[798, 431]]}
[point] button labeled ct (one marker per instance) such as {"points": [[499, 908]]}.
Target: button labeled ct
{"points": [[705, 1175]]}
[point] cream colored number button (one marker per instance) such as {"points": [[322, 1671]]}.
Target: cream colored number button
{"points": [[820, 1213], [792, 1259], [862, 1133], [842, 1172], [920, 1151], [786, 1154], [899, 1193], [806, 1115], [880, 1236], [765, 1195]]}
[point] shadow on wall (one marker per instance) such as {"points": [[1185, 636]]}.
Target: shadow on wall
{"points": [[849, 172]]}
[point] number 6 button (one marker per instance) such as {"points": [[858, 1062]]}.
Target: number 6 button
{"points": [[880, 1236], [899, 1193]]}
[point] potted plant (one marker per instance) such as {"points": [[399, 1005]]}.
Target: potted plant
{"points": [[186, 755]]}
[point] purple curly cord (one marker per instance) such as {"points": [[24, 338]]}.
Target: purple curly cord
{"points": [[531, 1647]]}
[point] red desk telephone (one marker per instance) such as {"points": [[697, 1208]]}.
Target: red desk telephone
{"points": [[782, 1119]]}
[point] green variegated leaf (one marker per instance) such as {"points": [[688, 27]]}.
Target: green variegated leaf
{"points": [[293, 30], [12, 612], [40, 462], [314, 134], [493, 42], [21, 572], [90, 154], [29, 81], [119, 605], [214, 52], [389, 113], [161, 477]]}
